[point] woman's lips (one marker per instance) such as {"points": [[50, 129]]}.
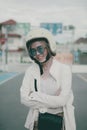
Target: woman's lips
{"points": [[41, 58]]}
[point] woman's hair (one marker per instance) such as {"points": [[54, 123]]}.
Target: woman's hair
{"points": [[50, 52]]}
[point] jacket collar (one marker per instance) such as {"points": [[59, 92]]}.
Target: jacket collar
{"points": [[54, 70]]}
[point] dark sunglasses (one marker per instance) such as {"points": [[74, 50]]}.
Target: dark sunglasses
{"points": [[39, 49]]}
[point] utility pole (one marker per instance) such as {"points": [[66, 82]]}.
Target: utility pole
{"points": [[4, 30]]}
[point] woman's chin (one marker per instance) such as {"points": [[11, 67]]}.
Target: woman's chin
{"points": [[42, 60]]}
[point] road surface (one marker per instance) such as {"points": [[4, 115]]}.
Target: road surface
{"points": [[13, 113]]}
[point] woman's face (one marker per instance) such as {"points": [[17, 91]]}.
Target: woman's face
{"points": [[39, 51]]}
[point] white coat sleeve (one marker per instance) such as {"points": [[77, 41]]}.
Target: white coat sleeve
{"points": [[61, 100], [26, 90]]}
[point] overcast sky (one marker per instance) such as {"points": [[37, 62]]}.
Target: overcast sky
{"points": [[35, 11]]}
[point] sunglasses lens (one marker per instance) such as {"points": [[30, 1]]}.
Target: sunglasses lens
{"points": [[40, 49], [32, 52]]}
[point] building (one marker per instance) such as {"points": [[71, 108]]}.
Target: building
{"points": [[12, 40]]}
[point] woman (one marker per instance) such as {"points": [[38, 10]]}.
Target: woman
{"points": [[46, 86]]}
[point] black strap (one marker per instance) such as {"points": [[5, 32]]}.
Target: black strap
{"points": [[35, 84]]}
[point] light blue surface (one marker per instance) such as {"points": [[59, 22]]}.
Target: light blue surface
{"points": [[6, 76]]}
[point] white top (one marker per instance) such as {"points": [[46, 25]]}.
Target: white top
{"points": [[49, 85]]}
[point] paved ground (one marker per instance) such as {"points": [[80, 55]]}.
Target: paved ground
{"points": [[16, 67], [79, 85], [13, 114], [4, 76]]}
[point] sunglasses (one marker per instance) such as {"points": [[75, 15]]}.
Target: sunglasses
{"points": [[39, 49]]}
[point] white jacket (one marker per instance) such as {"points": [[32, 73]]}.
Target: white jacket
{"points": [[43, 102]]}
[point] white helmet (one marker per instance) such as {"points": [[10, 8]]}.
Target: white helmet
{"points": [[41, 32]]}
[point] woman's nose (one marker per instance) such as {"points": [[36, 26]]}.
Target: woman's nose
{"points": [[37, 53]]}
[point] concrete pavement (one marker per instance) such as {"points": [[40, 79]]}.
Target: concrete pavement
{"points": [[16, 67], [13, 113]]}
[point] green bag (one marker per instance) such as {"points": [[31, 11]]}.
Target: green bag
{"points": [[47, 121]]}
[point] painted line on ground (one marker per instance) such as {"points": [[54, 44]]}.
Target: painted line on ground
{"points": [[82, 77], [7, 76]]}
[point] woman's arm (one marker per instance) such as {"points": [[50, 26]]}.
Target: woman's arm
{"points": [[26, 90], [64, 96]]}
